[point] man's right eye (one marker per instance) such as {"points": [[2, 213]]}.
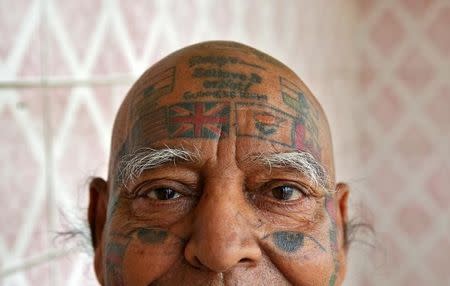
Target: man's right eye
{"points": [[163, 194]]}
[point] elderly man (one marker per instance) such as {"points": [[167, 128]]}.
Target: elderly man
{"points": [[221, 173]]}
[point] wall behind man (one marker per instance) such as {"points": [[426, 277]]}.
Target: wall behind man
{"points": [[405, 143], [379, 68]]}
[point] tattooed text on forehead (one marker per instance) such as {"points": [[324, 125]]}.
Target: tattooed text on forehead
{"points": [[221, 80], [220, 61]]}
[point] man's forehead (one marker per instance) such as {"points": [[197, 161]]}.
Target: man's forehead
{"points": [[214, 92]]}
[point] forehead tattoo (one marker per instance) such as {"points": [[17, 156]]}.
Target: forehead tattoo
{"points": [[225, 95]]}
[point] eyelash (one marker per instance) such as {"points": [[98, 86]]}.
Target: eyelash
{"points": [[143, 190], [259, 197], [276, 184]]}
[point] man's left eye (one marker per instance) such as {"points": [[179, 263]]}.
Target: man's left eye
{"points": [[163, 194], [286, 193]]}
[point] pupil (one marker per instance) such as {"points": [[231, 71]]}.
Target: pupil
{"points": [[283, 193], [165, 194]]}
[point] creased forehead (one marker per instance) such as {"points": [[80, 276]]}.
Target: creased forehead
{"points": [[215, 90]]}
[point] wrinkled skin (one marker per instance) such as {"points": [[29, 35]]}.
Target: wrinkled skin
{"points": [[227, 223]]}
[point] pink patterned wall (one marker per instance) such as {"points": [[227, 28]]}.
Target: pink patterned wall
{"points": [[380, 69], [405, 143]]}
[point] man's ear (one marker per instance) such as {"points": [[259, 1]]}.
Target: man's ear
{"points": [[98, 202], [341, 197], [342, 193]]}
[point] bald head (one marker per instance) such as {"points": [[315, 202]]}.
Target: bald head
{"points": [[218, 90], [221, 173]]}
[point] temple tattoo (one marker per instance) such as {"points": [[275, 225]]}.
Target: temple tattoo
{"points": [[306, 130], [146, 116], [159, 85], [149, 127], [115, 252], [331, 210], [147, 120]]}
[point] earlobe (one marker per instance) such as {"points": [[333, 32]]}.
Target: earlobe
{"points": [[98, 265], [98, 201]]}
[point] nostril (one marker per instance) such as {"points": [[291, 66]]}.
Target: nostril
{"points": [[197, 263]]}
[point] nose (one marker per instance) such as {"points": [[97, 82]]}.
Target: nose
{"points": [[222, 235]]}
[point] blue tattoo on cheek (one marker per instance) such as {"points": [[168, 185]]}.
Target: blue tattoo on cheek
{"points": [[288, 241], [151, 236]]}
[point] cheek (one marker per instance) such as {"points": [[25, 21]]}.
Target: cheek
{"points": [[302, 266], [150, 254], [303, 258]]}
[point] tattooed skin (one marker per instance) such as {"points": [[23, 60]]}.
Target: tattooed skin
{"points": [[159, 85], [266, 123], [115, 252], [117, 247], [220, 61], [209, 120], [221, 83], [290, 241], [329, 204], [220, 174], [306, 129]]}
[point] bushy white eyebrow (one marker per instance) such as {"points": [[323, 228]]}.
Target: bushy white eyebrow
{"points": [[133, 165], [302, 162]]}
